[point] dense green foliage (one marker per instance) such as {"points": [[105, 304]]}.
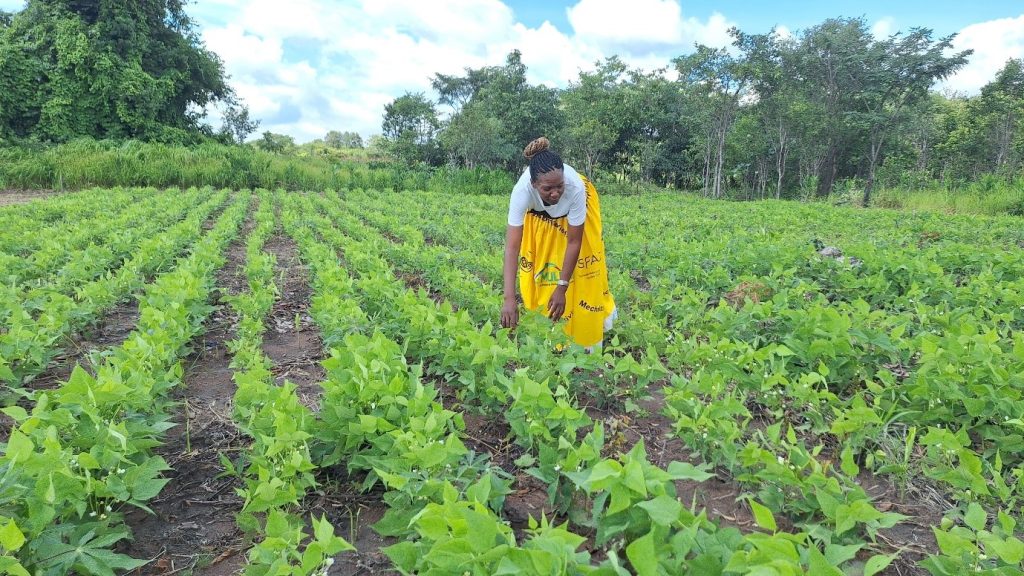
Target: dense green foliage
{"points": [[85, 163], [800, 379], [793, 116], [107, 69]]}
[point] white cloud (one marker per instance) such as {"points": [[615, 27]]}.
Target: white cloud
{"points": [[617, 22], [644, 24], [360, 57], [994, 42], [883, 28]]}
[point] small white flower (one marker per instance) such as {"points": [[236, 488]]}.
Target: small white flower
{"points": [[92, 514], [329, 562], [782, 460], [558, 467], [108, 508], [103, 516], [120, 470]]}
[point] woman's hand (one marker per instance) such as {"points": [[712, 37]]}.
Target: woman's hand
{"points": [[556, 305], [510, 313]]}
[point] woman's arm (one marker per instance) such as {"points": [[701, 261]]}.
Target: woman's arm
{"points": [[510, 307], [556, 305]]}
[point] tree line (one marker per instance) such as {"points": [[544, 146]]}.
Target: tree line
{"points": [[774, 116], [111, 70]]}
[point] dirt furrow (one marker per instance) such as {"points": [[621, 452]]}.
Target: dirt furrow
{"points": [[193, 525]]}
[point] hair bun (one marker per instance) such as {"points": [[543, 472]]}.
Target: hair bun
{"points": [[536, 147]]}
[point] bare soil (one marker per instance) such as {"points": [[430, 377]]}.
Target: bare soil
{"points": [[109, 332], [293, 344], [193, 525], [10, 197], [292, 340]]}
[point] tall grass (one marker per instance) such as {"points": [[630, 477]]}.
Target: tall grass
{"points": [[990, 195], [88, 163]]}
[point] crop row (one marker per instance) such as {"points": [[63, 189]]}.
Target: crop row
{"points": [[37, 322], [773, 364], [84, 451]]}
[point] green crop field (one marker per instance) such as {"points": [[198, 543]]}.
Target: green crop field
{"points": [[203, 381]]}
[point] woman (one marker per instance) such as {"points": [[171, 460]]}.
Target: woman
{"points": [[554, 239]]}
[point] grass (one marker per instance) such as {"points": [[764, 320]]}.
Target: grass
{"points": [[90, 163], [989, 195]]}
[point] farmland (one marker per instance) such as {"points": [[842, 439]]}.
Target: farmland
{"points": [[314, 382]]}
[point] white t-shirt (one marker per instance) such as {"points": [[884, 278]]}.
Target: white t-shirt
{"points": [[572, 203]]}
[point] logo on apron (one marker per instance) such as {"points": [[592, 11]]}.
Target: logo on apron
{"points": [[549, 274]]}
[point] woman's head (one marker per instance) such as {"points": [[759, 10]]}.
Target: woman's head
{"points": [[546, 170]]}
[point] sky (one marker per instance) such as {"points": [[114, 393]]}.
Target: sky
{"points": [[304, 67]]}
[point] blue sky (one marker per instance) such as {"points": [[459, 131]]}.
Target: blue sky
{"points": [[308, 66]]}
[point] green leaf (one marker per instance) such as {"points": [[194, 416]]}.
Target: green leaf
{"points": [[837, 554], [763, 516], [847, 464], [819, 565], [405, 555], [18, 413], [11, 566], [1010, 550], [877, 563], [11, 537], [663, 510], [952, 545], [19, 447], [976, 517], [642, 555], [687, 471], [525, 461]]}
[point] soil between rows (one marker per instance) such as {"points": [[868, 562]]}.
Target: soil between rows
{"points": [[193, 524], [11, 197]]}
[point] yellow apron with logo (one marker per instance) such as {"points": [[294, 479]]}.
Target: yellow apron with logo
{"points": [[588, 302]]}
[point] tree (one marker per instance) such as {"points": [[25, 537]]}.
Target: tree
{"points": [[277, 143], [898, 72], [237, 124], [106, 69], [502, 92], [770, 62], [719, 79], [476, 138], [339, 140], [594, 113], [1002, 106], [410, 127], [830, 57]]}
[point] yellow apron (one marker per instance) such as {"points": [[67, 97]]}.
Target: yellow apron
{"points": [[588, 301]]}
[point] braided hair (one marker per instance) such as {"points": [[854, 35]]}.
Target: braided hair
{"points": [[542, 159]]}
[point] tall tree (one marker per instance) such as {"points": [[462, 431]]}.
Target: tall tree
{"points": [[897, 73], [106, 69], [503, 92], [1002, 105], [410, 127], [337, 139], [719, 79], [476, 138], [594, 113]]}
